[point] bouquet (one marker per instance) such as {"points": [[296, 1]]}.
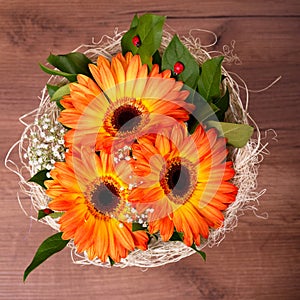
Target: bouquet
{"points": [[140, 152]]}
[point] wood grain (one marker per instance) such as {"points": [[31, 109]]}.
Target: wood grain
{"points": [[260, 258]]}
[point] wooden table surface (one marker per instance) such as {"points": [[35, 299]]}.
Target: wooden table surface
{"points": [[260, 258]]}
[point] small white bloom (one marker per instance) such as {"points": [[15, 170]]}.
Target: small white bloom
{"points": [[48, 167], [56, 154]]}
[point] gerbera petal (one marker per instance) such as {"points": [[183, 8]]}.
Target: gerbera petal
{"points": [[104, 231], [154, 71], [83, 235], [123, 236], [119, 75], [140, 239], [131, 74], [102, 61], [166, 229], [89, 83]]}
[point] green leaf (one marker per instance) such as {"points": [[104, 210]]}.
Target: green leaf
{"points": [[111, 261], [126, 42], [201, 253], [210, 79], [177, 52], [51, 89], [156, 58], [222, 104], [135, 21], [137, 227], [73, 63], [40, 177], [149, 29], [176, 236], [59, 105], [60, 92], [42, 213], [237, 135], [203, 111], [70, 77], [50, 246], [56, 214]]}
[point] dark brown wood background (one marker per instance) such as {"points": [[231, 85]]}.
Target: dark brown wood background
{"points": [[260, 258]]}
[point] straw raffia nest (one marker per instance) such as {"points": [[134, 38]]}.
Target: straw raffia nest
{"points": [[246, 160]]}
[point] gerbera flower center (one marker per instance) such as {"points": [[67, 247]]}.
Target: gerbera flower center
{"points": [[125, 116], [105, 198], [179, 180], [105, 195]]}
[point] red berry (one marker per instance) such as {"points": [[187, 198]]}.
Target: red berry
{"points": [[136, 41], [48, 211], [178, 68]]}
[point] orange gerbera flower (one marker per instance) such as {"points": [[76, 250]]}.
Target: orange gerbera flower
{"points": [[123, 102], [185, 182], [93, 199]]}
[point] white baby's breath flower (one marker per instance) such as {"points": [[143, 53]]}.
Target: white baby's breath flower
{"points": [[48, 166]]}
